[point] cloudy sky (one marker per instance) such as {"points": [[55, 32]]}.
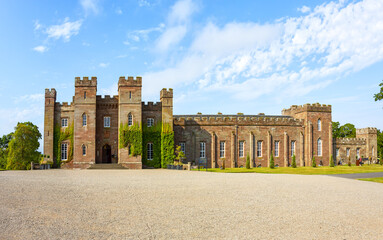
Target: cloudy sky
{"points": [[224, 56]]}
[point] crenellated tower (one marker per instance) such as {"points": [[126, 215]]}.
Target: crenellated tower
{"points": [[85, 121], [49, 121], [129, 112], [166, 98], [370, 134]]}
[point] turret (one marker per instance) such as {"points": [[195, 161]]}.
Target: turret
{"points": [[166, 97], [49, 120]]}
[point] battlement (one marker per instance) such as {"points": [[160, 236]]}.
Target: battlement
{"points": [[50, 93], [151, 106], [237, 120], [350, 141], [64, 106], [166, 93], [85, 82], [315, 107], [368, 130], [122, 81]]}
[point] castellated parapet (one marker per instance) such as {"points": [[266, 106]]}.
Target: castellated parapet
{"points": [[85, 82], [369, 130], [122, 81], [152, 106], [350, 141], [166, 93], [316, 107], [51, 93]]}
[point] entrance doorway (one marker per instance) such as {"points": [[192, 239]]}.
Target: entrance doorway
{"points": [[106, 154]]}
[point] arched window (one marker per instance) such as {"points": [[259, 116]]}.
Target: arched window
{"points": [[83, 150], [319, 147], [84, 119], [319, 125], [130, 119]]}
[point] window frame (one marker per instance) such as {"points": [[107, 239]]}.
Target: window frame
{"points": [[64, 120], [130, 119], [83, 149], [259, 148], [319, 124], [150, 152], [64, 151], [292, 147], [347, 152], [183, 147], [84, 120], [150, 122], [337, 152], [202, 150], [109, 121], [241, 149], [276, 148], [222, 149], [319, 147]]}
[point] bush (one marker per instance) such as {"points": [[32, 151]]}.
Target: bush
{"points": [[271, 161], [223, 163], [314, 163], [331, 161], [248, 161], [294, 162], [349, 161]]}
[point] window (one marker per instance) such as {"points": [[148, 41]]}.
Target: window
{"points": [[276, 148], [64, 122], [84, 95], [64, 151], [202, 150], [130, 94], [150, 151], [241, 144], [83, 150], [106, 121], [182, 144], [150, 122], [319, 125], [259, 149], [358, 152], [337, 152], [222, 149], [130, 119], [84, 119], [319, 147], [292, 148], [348, 152]]}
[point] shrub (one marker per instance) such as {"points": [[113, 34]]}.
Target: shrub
{"points": [[271, 161], [314, 163], [223, 163], [248, 161], [294, 162], [349, 161], [331, 161]]}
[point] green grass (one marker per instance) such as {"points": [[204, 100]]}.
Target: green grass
{"points": [[377, 179], [304, 170]]}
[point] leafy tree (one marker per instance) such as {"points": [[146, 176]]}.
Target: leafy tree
{"points": [[23, 146], [345, 131], [335, 129], [248, 161], [271, 160], [180, 155], [4, 141], [294, 162], [331, 161], [379, 95], [314, 163], [380, 145]]}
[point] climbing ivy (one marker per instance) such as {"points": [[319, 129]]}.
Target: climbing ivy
{"points": [[58, 137], [152, 135], [131, 135], [167, 145]]}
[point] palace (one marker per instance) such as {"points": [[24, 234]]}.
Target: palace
{"points": [[88, 131]]}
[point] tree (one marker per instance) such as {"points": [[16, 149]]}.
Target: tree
{"points": [[331, 161], [380, 145], [23, 146], [379, 95], [248, 161], [335, 129], [271, 160], [4, 142], [347, 130], [294, 162], [314, 163], [180, 155]]}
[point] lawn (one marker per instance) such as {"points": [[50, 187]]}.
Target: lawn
{"points": [[303, 170], [377, 179]]}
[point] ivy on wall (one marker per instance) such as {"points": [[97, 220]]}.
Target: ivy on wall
{"points": [[131, 136], [152, 135], [58, 137], [167, 145]]}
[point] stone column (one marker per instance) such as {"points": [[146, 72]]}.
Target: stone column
{"points": [[251, 149], [301, 156], [268, 148], [286, 149], [232, 143], [213, 150]]}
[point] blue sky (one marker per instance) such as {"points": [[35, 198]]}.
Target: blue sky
{"points": [[218, 56]]}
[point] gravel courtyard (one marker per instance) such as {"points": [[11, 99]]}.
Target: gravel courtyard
{"points": [[170, 204]]}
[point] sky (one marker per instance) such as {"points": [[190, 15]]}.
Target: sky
{"points": [[224, 56]]}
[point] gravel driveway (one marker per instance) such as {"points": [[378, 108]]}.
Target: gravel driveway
{"points": [[170, 204]]}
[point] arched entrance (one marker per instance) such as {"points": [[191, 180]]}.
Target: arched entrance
{"points": [[106, 154]]}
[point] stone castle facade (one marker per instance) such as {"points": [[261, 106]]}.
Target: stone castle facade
{"points": [[95, 123]]}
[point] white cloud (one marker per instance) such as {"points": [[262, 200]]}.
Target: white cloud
{"points": [[181, 11], [103, 65], [292, 56], [118, 11], [38, 97], [37, 25], [90, 6], [40, 49], [143, 34], [144, 3], [65, 30], [304, 9]]}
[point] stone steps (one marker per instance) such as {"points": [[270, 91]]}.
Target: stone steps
{"points": [[106, 166]]}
